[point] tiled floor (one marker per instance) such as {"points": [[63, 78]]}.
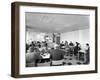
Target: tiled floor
{"points": [[72, 60], [68, 60]]}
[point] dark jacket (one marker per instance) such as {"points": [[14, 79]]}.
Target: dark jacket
{"points": [[57, 54]]}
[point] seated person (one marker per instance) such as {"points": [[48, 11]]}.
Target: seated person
{"points": [[32, 58], [71, 44], [62, 46], [45, 54], [76, 48], [57, 56], [67, 48], [71, 48]]}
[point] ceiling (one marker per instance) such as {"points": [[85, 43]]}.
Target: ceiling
{"points": [[49, 22]]}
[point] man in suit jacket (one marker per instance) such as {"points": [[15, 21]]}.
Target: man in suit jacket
{"points": [[57, 54]]}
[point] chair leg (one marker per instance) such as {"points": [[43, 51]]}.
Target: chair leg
{"points": [[50, 63]]}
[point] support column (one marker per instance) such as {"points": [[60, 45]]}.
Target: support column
{"points": [[56, 38]]}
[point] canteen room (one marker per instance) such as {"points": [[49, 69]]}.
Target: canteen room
{"points": [[55, 39]]}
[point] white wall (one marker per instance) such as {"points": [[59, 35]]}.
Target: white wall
{"points": [[5, 40], [34, 36], [81, 36]]}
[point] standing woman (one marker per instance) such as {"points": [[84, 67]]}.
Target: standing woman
{"points": [[87, 53]]}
